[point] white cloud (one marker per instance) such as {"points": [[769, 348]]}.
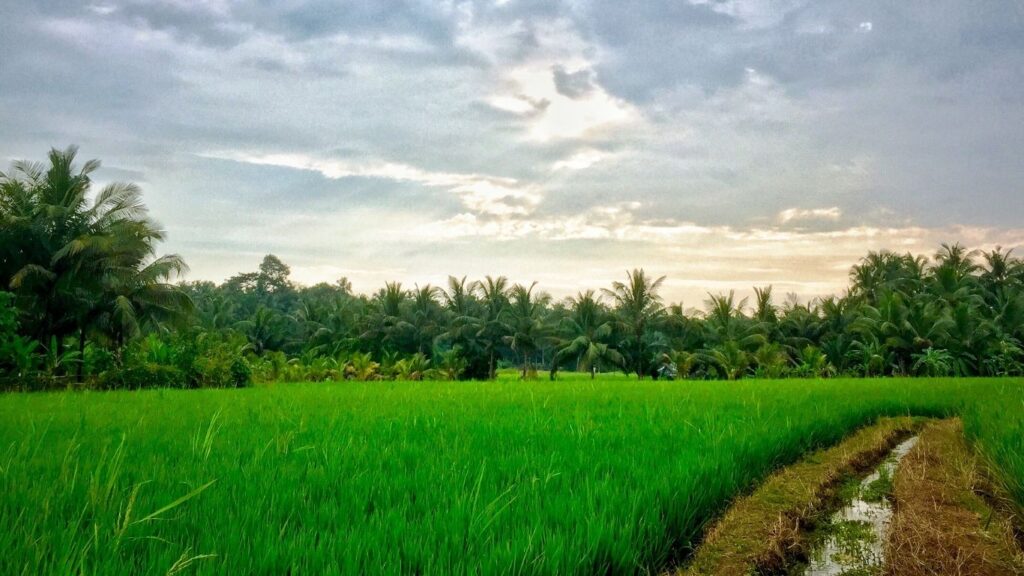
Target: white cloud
{"points": [[492, 41], [581, 160], [514, 104], [550, 115], [480, 193], [753, 14], [793, 214], [102, 9], [495, 198], [527, 85], [865, 27]]}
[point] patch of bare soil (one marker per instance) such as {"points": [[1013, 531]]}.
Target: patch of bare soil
{"points": [[942, 526]]}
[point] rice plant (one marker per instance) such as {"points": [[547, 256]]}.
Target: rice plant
{"points": [[507, 477]]}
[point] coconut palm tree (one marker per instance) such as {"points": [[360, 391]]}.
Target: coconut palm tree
{"points": [[588, 330], [801, 325], [871, 356], [771, 360], [426, 317], [725, 322], [885, 271], [334, 330], [388, 329], [527, 330], [82, 264], [465, 329], [458, 299], [958, 259], [264, 330], [969, 338], [638, 308], [764, 311], [729, 358], [906, 326], [47, 208], [1008, 314], [491, 327], [135, 284]]}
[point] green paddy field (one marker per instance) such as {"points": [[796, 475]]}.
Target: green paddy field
{"points": [[569, 477]]}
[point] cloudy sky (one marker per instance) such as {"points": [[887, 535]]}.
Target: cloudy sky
{"points": [[723, 143]]}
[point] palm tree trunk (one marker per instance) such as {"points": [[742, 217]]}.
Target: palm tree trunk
{"points": [[81, 355], [639, 357], [118, 346]]}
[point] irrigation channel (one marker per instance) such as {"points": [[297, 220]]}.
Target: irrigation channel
{"points": [[852, 540]]}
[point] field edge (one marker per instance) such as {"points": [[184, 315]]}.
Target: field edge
{"points": [[761, 532], [948, 519]]}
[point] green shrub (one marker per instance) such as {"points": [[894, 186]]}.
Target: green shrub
{"points": [[147, 375], [97, 359], [241, 376], [185, 360], [8, 316], [220, 367], [19, 356]]}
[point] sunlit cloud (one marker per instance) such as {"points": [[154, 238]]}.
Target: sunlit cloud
{"points": [[700, 258], [516, 104], [480, 193], [552, 114], [581, 160], [555, 90], [791, 214]]}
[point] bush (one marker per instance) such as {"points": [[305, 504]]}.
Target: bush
{"points": [[8, 316], [189, 360], [19, 358], [241, 376], [97, 359], [215, 360], [147, 375], [219, 366]]}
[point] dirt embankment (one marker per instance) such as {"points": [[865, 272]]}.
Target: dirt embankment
{"points": [[763, 532], [942, 525]]}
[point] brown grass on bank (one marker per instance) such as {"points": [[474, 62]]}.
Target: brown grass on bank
{"points": [[941, 525], [762, 532]]}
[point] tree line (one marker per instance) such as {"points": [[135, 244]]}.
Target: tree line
{"points": [[87, 300]]}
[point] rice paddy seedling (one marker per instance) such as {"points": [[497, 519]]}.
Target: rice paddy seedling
{"points": [[569, 477]]}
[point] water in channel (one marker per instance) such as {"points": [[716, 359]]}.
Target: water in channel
{"points": [[853, 540]]}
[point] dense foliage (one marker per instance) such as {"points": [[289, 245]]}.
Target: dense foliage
{"points": [[613, 476], [90, 301]]}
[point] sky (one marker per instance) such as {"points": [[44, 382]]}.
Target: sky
{"points": [[721, 143]]}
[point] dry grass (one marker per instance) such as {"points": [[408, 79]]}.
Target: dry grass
{"points": [[942, 525], [761, 533]]}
